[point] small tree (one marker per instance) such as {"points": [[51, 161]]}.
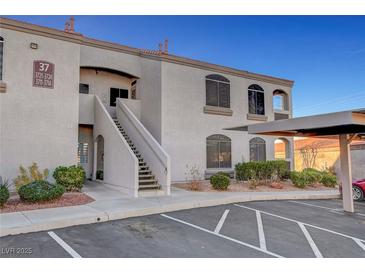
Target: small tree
{"points": [[193, 177], [309, 154]]}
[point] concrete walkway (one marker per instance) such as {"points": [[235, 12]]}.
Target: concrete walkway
{"points": [[110, 204]]}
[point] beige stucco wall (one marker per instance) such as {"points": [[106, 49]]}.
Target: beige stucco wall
{"points": [[149, 88], [38, 124], [185, 126], [98, 57], [100, 83]]}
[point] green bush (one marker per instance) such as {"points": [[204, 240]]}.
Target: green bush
{"points": [[219, 181], [328, 179], [4, 191], [299, 179], [224, 174], [38, 191], [72, 177], [313, 176], [262, 171]]}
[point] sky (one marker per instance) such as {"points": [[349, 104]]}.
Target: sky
{"points": [[324, 55]]}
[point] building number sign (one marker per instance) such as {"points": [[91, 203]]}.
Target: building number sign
{"points": [[43, 74]]}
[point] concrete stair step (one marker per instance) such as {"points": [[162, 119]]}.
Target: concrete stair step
{"points": [[146, 177], [149, 187]]}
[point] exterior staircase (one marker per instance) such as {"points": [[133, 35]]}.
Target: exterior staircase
{"points": [[147, 180]]}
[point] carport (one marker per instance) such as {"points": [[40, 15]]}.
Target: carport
{"points": [[346, 126]]}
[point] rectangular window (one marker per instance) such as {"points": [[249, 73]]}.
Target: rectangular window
{"points": [[224, 96], [83, 153], [260, 103], [212, 93], [84, 88], [256, 102], [212, 154], [217, 93], [117, 93]]}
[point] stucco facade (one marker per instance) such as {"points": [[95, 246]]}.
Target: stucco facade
{"points": [[168, 104]]}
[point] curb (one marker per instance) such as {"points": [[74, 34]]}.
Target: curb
{"points": [[160, 208]]}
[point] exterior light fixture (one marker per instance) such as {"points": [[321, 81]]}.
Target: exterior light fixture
{"points": [[33, 45]]}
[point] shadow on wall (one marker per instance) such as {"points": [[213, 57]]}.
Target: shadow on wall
{"points": [[357, 162]]}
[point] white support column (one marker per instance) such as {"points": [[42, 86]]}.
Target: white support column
{"points": [[95, 162], [346, 177]]}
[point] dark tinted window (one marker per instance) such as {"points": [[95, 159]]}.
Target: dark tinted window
{"points": [[84, 88], [212, 93], [219, 151], [257, 149], [114, 94], [256, 100], [217, 91], [117, 93]]}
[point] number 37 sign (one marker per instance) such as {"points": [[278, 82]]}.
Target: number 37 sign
{"points": [[43, 74]]}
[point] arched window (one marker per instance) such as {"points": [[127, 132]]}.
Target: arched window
{"points": [[217, 91], [219, 151], [280, 100], [1, 57], [257, 149], [256, 100]]}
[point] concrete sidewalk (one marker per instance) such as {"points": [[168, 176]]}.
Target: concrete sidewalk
{"points": [[110, 204]]}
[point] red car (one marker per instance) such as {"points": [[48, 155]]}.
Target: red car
{"points": [[358, 189]]}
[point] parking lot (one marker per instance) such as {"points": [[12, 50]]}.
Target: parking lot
{"points": [[311, 228]]}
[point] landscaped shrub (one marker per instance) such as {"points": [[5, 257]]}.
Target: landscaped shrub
{"points": [[4, 191], [72, 177], [29, 175], [38, 191], [266, 171], [299, 179], [224, 174], [100, 175], [219, 181], [328, 179], [312, 175]]}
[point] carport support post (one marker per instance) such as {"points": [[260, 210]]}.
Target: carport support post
{"points": [[346, 177]]}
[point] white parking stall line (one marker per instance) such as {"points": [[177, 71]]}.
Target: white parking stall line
{"points": [[312, 244], [360, 243], [312, 205], [260, 228], [221, 221], [333, 210], [296, 221], [64, 245], [222, 236]]}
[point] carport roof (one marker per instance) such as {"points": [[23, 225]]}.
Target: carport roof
{"points": [[328, 125]]}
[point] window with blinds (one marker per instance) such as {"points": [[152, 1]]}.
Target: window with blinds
{"points": [[1, 57], [217, 91], [219, 151], [82, 153], [256, 100], [257, 149]]}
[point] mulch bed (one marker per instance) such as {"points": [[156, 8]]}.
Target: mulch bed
{"points": [[14, 204], [205, 186]]}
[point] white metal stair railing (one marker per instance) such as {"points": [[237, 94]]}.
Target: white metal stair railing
{"points": [[146, 179]]}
